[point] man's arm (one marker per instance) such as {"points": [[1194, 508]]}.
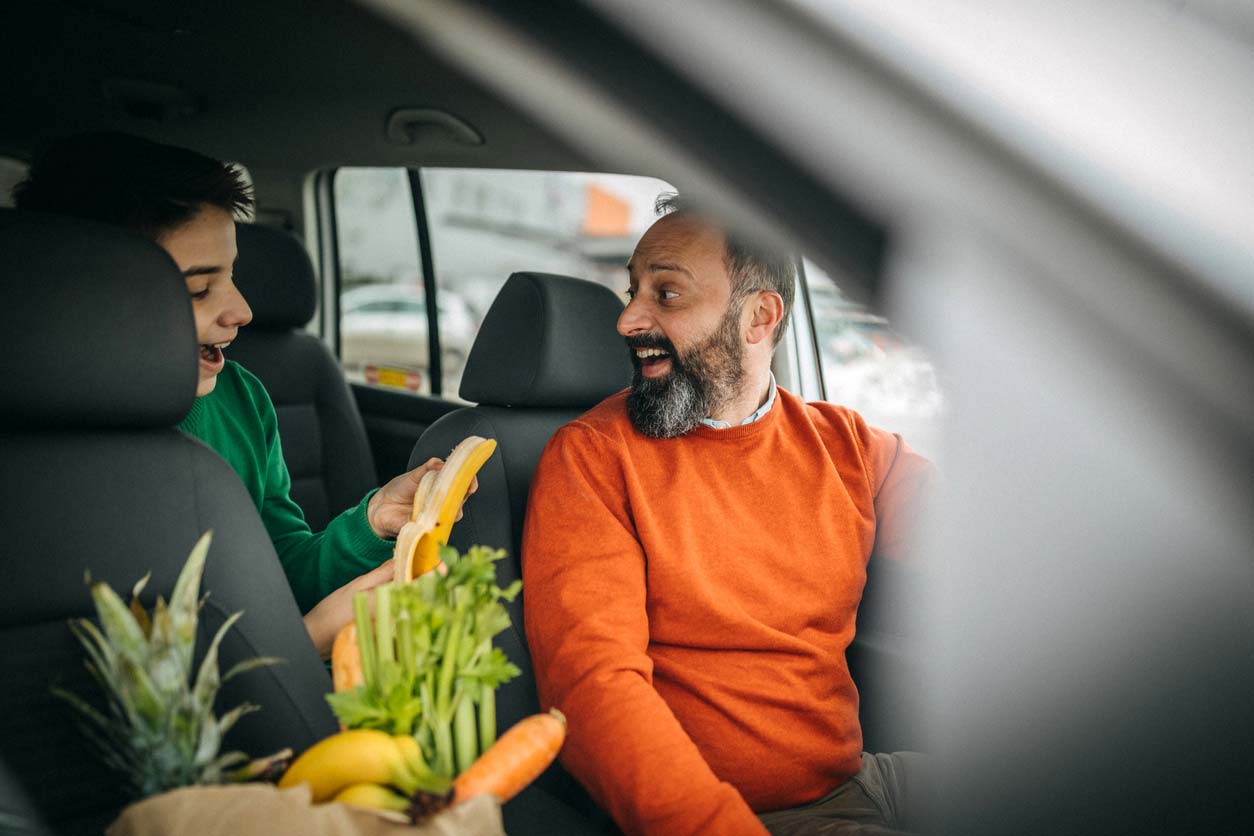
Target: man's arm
{"points": [[584, 577], [904, 484]]}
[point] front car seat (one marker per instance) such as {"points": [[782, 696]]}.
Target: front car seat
{"points": [[101, 365], [320, 428], [546, 353]]}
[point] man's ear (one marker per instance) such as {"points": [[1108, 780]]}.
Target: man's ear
{"points": [[765, 309]]}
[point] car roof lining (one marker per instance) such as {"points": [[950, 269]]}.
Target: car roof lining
{"points": [[231, 63]]}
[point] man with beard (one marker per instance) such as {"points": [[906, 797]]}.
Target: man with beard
{"points": [[694, 556]]}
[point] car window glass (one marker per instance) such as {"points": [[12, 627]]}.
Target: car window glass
{"points": [[12, 172], [383, 312], [487, 224], [871, 369]]}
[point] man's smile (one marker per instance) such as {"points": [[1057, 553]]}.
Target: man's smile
{"points": [[653, 362]]}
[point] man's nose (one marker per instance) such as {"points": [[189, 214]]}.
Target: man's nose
{"points": [[634, 319]]}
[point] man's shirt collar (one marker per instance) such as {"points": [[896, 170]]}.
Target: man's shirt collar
{"points": [[762, 410]]}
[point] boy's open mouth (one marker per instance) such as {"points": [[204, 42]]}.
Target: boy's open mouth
{"points": [[211, 353]]}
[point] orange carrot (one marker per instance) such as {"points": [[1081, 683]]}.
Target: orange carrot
{"points": [[515, 760], [346, 660]]}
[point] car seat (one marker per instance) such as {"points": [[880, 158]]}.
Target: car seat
{"points": [[101, 365], [320, 428], [546, 353]]}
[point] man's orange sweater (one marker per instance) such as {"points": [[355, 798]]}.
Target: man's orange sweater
{"points": [[689, 602]]}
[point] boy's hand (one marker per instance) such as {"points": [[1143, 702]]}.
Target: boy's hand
{"points": [[390, 507], [325, 620]]}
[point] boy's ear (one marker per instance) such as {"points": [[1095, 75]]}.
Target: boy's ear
{"points": [[766, 310]]}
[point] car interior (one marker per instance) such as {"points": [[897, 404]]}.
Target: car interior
{"points": [[1030, 264]]}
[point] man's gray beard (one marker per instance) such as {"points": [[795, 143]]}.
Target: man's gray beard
{"points": [[699, 383]]}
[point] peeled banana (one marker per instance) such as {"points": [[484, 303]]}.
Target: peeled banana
{"points": [[362, 756], [436, 502]]}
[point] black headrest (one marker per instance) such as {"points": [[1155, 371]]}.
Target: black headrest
{"points": [[97, 324], [548, 341], [276, 277]]}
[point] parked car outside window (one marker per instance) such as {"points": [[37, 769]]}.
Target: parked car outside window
{"points": [[383, 329]]}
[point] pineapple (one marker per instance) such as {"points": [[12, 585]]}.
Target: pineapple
{"points": [[159, 728]]}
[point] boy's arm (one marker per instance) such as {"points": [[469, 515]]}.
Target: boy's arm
{"points": [[315, 564], [587, 628]]}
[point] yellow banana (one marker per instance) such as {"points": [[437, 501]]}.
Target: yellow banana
{"points": [[436, 502], [373, 797], [353, 757]]}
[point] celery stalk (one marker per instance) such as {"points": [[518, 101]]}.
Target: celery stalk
{"points": [[444, 694], [487, 716], [365, 638], [405, 638], [465, 735], [384, 638]]}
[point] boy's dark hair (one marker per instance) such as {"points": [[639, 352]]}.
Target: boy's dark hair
{"points": [[750, 266], [121, 179]]}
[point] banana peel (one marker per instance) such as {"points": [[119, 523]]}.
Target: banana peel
{"points": [[437, 500]]}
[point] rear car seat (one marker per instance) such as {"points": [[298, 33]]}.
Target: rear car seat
{"points": [[547, 352], [101, 365], [323, 437]]}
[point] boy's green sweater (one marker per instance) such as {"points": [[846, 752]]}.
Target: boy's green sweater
{"points": [[237, 420]]}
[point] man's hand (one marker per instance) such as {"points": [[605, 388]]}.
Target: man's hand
{"points": [[325, 621], [390, 507]]}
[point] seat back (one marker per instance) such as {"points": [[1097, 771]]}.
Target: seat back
{"points": [[101, 364], [324, 439], [547, 352]]}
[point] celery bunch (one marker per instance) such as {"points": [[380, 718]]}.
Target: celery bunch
{"points": [[427, 660]]}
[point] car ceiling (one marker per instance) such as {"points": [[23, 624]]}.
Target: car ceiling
{"points": [[284, 85]]}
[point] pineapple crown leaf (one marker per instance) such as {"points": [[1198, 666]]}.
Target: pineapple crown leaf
{"points": [[227, 760], [80, 705], [119, 623], [157, 724], [137, 609], [184, 604], [210, 741], [207, 679], [187, 587], [140, 584], [142, 695], [249, 664], [98, 649], [141, 617], [229, 719]]}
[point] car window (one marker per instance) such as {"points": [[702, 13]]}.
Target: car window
{"points": [[871, 369], [487, 224], [483, 225], [382, 302]]}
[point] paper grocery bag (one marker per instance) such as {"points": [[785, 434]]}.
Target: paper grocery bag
{"points": [[266, 810]]}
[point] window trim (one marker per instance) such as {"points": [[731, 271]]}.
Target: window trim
{"points": [[811, 371], [329, 255], [435, 357]]}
